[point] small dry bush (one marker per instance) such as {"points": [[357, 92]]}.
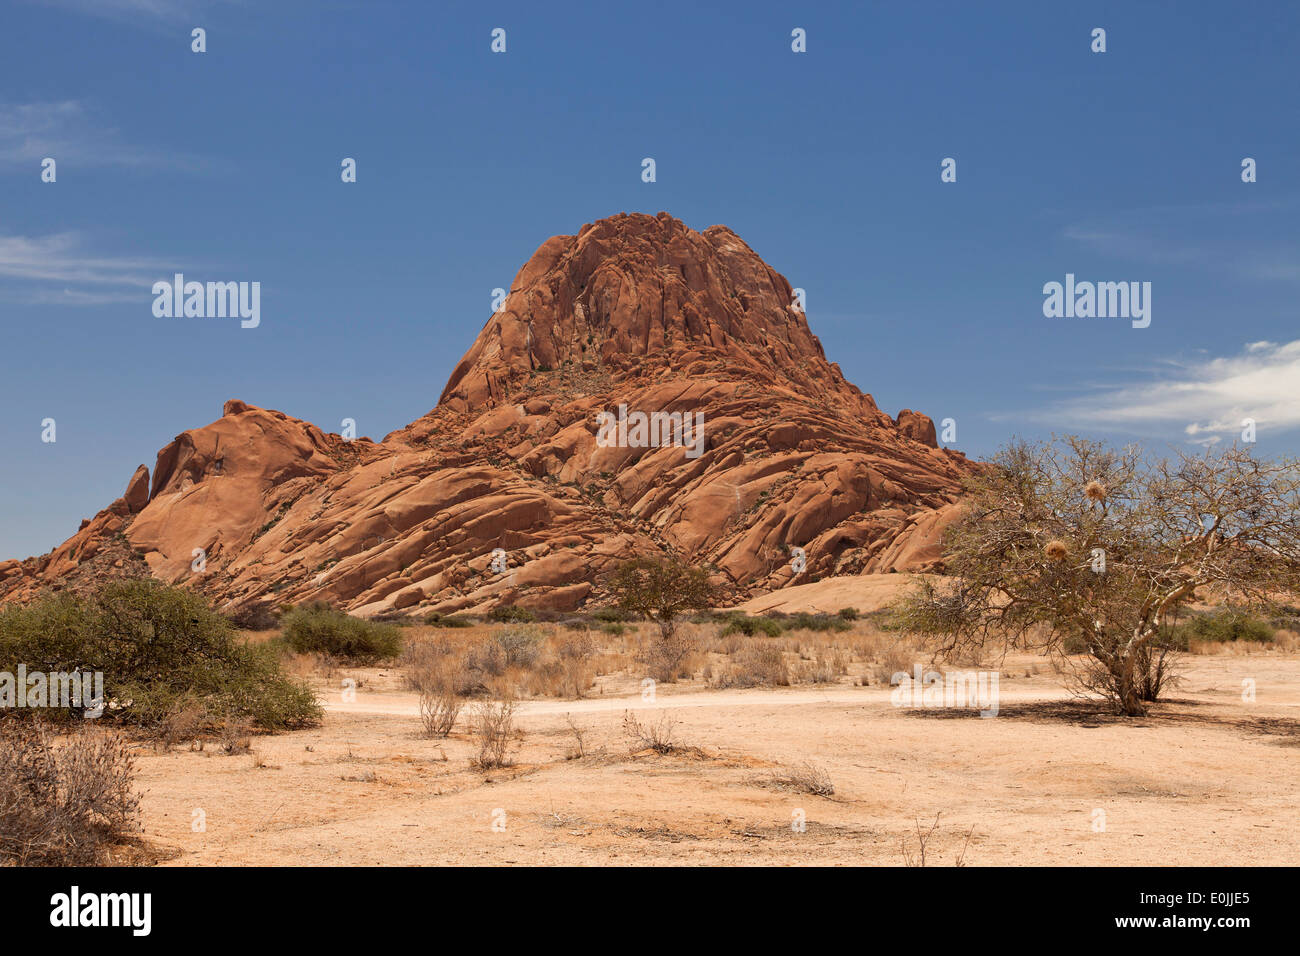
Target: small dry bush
{"points": [[887, 654], [656, 736], [672, 656], [439, 708], [756, 664], [236, 736], [805, 777], [918, 856], [187, 719], [494, 725], [828, 668], [576, 667], [63, 804]]}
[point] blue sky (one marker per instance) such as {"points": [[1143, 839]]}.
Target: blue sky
{"points": [[1118, 166]]}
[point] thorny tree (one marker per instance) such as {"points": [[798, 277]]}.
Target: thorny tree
{"points": [[1074, 542], [661, 589]]}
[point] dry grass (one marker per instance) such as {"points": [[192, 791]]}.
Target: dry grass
{"points": [[236, 737], [494, 726], [439, 708], [1284, 642], [657, 736], [64, 803], [805, 777], [558, 662], [186, 721]]}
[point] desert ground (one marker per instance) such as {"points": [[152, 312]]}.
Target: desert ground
{"points": [[1206, 779]]}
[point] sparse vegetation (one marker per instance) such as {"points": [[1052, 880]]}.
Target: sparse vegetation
{"points": [[494, 725], [64, 803], [805, 777], [749, 626], [434, 619], [318, 628], [440, 705], [657, 736], [159, 649], [1073, 540], [661, 590], [1224, 625], [511, 615]]}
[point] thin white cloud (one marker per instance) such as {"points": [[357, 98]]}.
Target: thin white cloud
{"points": [[70, 133], [1205, 399], [130, 9], [75, 297], [1206, 236], [61, 258]]}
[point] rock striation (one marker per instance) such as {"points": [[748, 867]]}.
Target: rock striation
{"points": [[635, 312]]}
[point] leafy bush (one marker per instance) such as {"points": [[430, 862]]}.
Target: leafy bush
{"points": [[511, 615], [612, 615], [816, 622], [154, 645], [749, 626], [661, 589], [63, 805], [849, 613], [320, 629], [253, 616], [434, 619], [1224, 625]]}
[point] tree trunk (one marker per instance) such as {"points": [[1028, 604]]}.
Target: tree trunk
{"points": [[1130, 698]]}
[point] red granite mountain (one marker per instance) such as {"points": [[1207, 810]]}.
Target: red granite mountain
{"points": [[635, 310]]}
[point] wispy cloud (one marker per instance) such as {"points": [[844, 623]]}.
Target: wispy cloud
{"points": [[1207, 236], [60, 258], [70, 132], [75, 297], [132, 9], [60, 269], [1205, 399]]}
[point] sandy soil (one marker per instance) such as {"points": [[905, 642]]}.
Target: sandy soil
{"points": [[866, 592], [1207, 779]]}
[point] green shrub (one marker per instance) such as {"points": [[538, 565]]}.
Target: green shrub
{"points": [[511, 615], [749, 626], [815, 622], [849, 613], [614, 615], [884, 619], [1225, 625], [154, 645], [320, 629], [614, 628], [253, 616], [434, 619], [1075, 644]]}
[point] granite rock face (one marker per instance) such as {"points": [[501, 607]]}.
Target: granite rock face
{"points": [[752, 445]]}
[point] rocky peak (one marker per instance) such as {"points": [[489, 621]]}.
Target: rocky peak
{"points": [[635, 290]]}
